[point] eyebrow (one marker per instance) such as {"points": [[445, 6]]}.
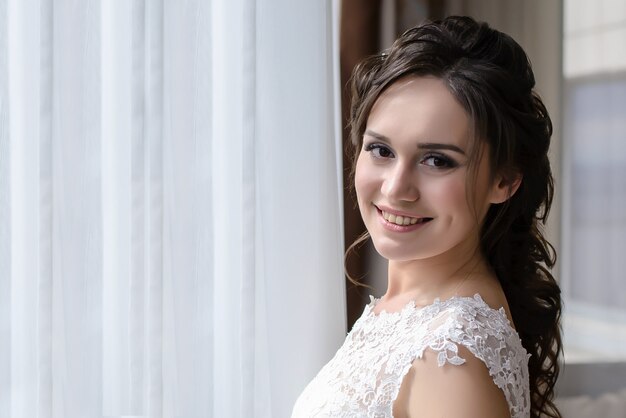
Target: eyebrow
{"points": [[422, 145]]}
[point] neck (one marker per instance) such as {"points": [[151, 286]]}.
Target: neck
{"points": [[424, 280]]}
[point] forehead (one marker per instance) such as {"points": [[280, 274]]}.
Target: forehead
{"points": [[420, 109]]}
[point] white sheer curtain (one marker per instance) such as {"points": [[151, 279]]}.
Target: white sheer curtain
{"points": [[170, 237]]}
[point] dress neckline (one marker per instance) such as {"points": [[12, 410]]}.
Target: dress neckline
{"points": [[410, 306]]}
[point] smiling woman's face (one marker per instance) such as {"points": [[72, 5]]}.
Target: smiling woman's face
{"points": [[411, 174]]}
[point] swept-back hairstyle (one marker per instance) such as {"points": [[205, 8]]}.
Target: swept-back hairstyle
{"points": [[491, 77]]}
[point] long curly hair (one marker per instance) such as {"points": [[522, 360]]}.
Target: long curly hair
{"points": [[491, 77]]}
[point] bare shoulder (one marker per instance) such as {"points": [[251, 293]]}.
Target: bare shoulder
{"points": [[459, 391], [489, 290]]}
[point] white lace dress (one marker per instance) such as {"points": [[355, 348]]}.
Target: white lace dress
{"points": [[363, 379]]}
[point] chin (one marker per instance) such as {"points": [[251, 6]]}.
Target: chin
{"points": [[397, 252]]}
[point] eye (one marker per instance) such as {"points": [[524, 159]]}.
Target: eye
{"points": [[379, 151], [438, 161]]}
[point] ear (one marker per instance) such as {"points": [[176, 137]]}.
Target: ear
{"points": [[504, 188]]}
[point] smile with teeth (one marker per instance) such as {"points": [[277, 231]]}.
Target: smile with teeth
{"points": [[402, 220]]}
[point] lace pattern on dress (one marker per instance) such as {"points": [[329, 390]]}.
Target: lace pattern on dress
{"points": [[364, 376]]}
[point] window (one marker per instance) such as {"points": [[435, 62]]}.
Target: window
{"points": [[594, 180]]}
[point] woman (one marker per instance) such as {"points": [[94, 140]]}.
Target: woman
{"points": [[453, 181]]}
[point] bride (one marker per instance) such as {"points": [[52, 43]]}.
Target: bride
{"points": [[453, 181]]}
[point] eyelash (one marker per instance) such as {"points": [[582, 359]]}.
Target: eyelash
{"points": [[447, 161], [371, 148]]}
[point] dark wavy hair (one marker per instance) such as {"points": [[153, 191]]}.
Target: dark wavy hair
{"points": [[491, 77]]}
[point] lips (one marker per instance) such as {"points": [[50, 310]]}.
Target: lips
{"points": [[402, 220]]}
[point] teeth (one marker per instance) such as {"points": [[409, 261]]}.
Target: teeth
{"points": [[400, 220]]}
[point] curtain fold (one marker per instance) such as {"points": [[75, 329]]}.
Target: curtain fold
{"points": [[5, 220], [170, 231]]}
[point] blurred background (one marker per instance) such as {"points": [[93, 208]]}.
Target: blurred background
{"points": [[174, 203]]}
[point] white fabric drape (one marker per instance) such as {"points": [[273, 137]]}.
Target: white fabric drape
{"points": [[170, 232]]}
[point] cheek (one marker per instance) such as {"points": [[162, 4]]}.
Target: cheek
{"points": [[364, 180], [448, 194], [453, 208]]}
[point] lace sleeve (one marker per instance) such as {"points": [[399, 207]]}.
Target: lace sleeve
{"points": [[364, 377], [488, 335]]}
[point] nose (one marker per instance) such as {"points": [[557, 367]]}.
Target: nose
{"points": [[401, 183]]}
